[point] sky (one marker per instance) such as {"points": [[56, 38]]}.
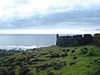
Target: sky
{"points": [[49, 16]]}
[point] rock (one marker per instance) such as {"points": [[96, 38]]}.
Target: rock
{"points": [[34, 61], [44, 66], [54, 55], [57, 66], [63, 63], [23, 70], [64, 55]]}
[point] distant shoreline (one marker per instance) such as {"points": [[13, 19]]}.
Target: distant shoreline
{"points": [[10, 47]]}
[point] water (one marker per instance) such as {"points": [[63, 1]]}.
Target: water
{"points": [[26, 40]]}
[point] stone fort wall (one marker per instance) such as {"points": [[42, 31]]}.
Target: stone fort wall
{"points": [[77, 40]]}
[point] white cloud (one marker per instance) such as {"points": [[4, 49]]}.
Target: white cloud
{"points": [[49, 31], [38, 31], [15, 8], [47, 10]]}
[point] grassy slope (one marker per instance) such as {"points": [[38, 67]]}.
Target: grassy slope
{"points": [[85, 65]]}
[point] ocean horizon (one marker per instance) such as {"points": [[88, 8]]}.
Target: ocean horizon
{"points": [[26, 41]]}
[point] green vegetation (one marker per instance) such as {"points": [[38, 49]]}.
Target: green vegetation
{"points": [[53, 60], [4, 52]]}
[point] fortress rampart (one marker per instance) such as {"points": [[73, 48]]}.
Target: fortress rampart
{"points": [[78, 40]]}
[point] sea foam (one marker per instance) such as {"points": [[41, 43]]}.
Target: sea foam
{"points": [[18, 47]]}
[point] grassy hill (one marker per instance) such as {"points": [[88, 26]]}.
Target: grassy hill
{"points": [[53, 60]]}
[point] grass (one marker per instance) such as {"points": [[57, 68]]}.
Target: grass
{"points": [[84, 64]]}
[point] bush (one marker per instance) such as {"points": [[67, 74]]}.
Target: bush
{"points": [[87, 65], [23, 70], [64, 55], [68, 50], [96, 72], [72, 51], [55, 55], [72, 63], [50, 73], [75, 57], [97, 61], [57, 66], [91, 53], [83, 51], [7, 71]]}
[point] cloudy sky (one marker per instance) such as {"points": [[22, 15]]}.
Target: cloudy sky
{"points": [[49, 16]]}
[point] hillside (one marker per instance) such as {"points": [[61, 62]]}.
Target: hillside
{"points": [[53, 60]]}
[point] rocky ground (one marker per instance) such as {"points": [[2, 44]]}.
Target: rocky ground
{"points": [[53, 60]]}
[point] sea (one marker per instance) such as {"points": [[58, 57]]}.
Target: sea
{"points": [[26, 41]]}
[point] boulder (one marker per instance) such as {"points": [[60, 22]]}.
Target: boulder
{"points": [[55, 55], [64, 55]]}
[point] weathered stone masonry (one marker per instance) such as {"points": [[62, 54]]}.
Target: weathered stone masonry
{"points": [[77, 40]]}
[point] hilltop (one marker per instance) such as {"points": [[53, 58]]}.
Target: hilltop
{"points": [[53, 60]]}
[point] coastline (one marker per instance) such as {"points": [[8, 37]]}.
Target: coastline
{"points": [[20, 47], [9, 47]]}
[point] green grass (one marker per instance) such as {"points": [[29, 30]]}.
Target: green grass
{"points": [[17, 70], [85, 65]]}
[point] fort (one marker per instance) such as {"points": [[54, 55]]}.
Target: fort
{"points": [[78, 40]]}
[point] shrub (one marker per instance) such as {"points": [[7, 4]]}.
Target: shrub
{"points": [[87, 65], [50, 73], [64, 50], [83, 51], [63, 63], [72, 51], [91, 53], [97, 61], [96, 72], [68, 50], [55, 55], [57, 66], [7, 71], [23, 70], [72, 63], [75, 57], [64, 55]]}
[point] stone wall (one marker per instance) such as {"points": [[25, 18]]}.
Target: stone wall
{"points": [[96, 39], [75, 40]]}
